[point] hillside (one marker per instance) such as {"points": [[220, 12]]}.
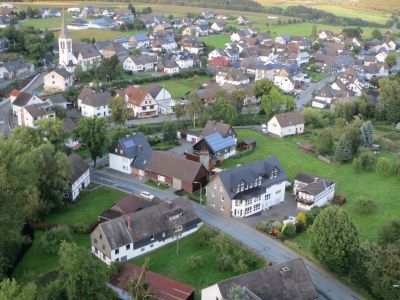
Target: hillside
{"points": [[377, 5]]}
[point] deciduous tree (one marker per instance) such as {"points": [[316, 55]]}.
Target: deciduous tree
{"points": [[10, 289], [119, 110]]}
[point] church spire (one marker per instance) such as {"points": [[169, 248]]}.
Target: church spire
{"points": [[64, 33]]}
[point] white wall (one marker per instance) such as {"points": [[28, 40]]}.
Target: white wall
{"points": [[275, 128], [90, 111], [77, 185], [120, 163], [211, 293]]}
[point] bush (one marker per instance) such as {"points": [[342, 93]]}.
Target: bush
{"points": [[312, 214], [289, 231], [49, 243], [205, 235], [263, 227], [384, 167], [80, 228], [365, 206], [390, 232], [365, 161], [194, 262]]}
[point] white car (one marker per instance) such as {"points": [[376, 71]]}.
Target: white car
{"points": [[291, 220], [147, 195]]}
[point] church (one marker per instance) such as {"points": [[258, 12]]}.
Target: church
{"points": [[72, 55]]}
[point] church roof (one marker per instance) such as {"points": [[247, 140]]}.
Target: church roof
{"points": [[64, 33]]}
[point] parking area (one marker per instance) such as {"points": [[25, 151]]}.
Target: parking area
{"points": [[180, 150], [277, 212]]}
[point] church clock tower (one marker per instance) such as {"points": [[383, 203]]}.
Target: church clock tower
{"points": [[65, 47]]}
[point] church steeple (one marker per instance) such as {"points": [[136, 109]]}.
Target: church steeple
{"points": [[64, 33]]}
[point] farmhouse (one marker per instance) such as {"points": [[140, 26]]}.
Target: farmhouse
{"points": [[285, 281], [94, 104], [248, 189], [142, 104], [163, 98], [20, 99], [140, 63], [312, 191], [80, 177], [145, 230], [218, 147], [285, 124], [29, 114]]}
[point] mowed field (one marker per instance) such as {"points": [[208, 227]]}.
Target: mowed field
{"points": [[377, 13], [384, 190]]}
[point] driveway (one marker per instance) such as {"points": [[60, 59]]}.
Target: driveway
{"points": [[6, 118], [328, 286], [182, 148], [277, 212], [159, 119], [306, 95]]}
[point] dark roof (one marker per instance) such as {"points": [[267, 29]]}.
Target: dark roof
{"points": [[86, 50], [166, 164], [85, 92], [285, 281], [315, 184], [39, 110], [217, 143], [62, 72], [147, 222], [79, 167], [249, 173], [160, 286], [57, 99], [290, 118], [154, 90], [97, 99], [22, 99], [135, 147], [220, 127]]}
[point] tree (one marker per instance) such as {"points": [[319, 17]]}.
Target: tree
{"points": [[93, 134], [383, 166], [390, 98], [236, 292], [194, 107], [377, 34], [344, 150], [314, 33], [325, 142], [391, 59], [289, 230], [82, 276], [389, 233], [170, 132], [49, 242], [262, 87], [225, 111], [137, 287], [366, 131], [109, 68], [28, 136], [383, 272], [365, 161], [334, 239], [52, 130], [238, 98], [53, 170], [10, 289], [147, 10], [274, 102], [194, 262], [60, 111], [119, 110]]}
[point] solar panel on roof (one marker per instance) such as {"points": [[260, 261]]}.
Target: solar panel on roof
{"points": [[128, 143], [218, 143]]}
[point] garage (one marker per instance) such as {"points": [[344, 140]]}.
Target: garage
{"points": [[176, 183]]}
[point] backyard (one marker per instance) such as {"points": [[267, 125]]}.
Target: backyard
{"points": [[165, 261], [384, 190], [86, 211]]}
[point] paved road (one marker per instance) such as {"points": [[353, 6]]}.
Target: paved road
{"points": [[306, 95], [5, 111], [36, 83], [159, 119], [327, 285]]}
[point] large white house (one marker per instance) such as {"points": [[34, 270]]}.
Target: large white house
{"points": [[248, 189], [137, 233], [28, 115], [163, 98], [58, 80], [141, 103], [313, 191], [80, 177], [94, 104], [20, 99], [140, 63], [285, 124]]}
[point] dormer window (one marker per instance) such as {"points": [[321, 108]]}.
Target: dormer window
{"points": [[274, 173]]}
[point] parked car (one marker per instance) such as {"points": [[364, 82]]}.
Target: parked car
{"points": [[147, 195], [290, 220]]}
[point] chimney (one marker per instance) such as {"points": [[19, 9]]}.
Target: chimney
{"points": [[129, 221], [286, 272]]}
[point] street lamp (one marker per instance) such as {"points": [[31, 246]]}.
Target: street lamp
{"points": [[201, 189]]}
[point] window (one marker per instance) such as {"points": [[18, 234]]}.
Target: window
{"points": [[104, 247], [101, 236], [163, 235], [222, 198], [178, 228], [117, 259], [278, 192], [152, 238], [142, 249], [268, 196], [222, 208], [128, 247], [152, 245], [116, 251]]}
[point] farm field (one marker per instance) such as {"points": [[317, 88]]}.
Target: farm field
{"points": [[383, 190], [180, 87], [166, 262]]}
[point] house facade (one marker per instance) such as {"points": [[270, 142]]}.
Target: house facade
{"points": [[28, 115], [248, 189], [285, 124], [58, 80], [95, 104], [143, 231], [141, 103], [313, 191], [163, 97], [80, 178]]}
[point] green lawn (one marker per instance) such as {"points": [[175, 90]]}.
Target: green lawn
{"points": [[180, 87], [47, 23], [384, 190], [157, 185], [88, 207], [163, 146], [216, 41], [35, 263], [166, 262]]}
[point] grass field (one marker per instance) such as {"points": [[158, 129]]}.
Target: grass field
{"points": [[383, 190], [35, 263], [180, 87], [166, 262], [216, 41], [88, 207]]}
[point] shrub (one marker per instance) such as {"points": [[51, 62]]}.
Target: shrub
{"points": [[195, 262], [241, 267], [312, 214], [205, 236], [50, 241], [289, 231], [389, 232], [365, 161], [384, 166], [365, 206], [80, 228], [276, 225]]}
